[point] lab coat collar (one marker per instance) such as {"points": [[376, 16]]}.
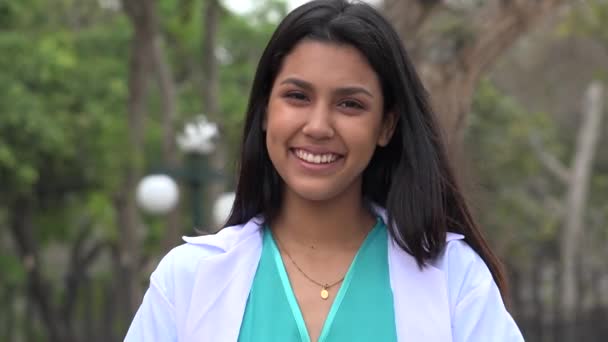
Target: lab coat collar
{"points": [[223, 282]]}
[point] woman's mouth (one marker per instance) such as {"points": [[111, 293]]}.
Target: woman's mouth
{"points": [[316, 158]]}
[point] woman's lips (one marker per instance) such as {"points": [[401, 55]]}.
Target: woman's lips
{"points": [[317, 162]]}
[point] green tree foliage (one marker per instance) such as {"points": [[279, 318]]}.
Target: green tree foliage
{"points": [[510, 181], [63, 94], [588, 18]]}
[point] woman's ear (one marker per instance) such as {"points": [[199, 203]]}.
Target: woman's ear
{"points": [[389, 124]]}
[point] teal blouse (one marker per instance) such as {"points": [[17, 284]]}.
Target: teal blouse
{"points": [[362, 310]]}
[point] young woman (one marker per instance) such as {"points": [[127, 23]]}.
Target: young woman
{"points": [[347, 223]]}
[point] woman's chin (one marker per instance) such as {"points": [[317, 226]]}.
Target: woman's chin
{"points": [[317, 193], [315, 196]]}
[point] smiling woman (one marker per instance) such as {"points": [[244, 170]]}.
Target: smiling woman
{"points": [[324, 121], [347, 223]]}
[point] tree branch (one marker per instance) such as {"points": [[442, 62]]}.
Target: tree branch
{"points": [[450, 62], [408, 16], [79, 264], [499, 24], [38, 288], [549, 161]]}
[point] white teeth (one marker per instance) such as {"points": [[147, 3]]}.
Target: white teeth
{"points": [[316, 158]]}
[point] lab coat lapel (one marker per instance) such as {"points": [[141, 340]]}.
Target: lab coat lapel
{"points": [[221, 288], [420, 299]]}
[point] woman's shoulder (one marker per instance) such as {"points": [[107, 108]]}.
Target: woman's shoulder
{"points": [[466, 275], [456, 253], [461, 264], [197, 248], [178, 268], [477, 309]]}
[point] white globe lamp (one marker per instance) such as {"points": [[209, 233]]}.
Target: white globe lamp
{"points": [[222, 207], [157, 194]]}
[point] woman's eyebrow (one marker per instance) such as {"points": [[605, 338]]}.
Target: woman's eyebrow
{"points": [[340, 91], [353, 90], [298, 82]]}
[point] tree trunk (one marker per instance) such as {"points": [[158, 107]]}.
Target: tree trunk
{"points": [[168, 98], [88, 303], [109, 308], [10, 304], [576, 200], [537, 298], [210, 90], [141, 15], [39, 291], [451, 66], [576, 180], [210, 65]]}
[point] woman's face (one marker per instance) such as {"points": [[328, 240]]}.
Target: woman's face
{"points": [[324, 120]]}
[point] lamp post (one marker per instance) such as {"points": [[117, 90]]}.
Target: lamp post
{"points": [[158, 194], [197, 141]]}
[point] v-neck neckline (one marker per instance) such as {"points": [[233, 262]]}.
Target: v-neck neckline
{"points": [[292, 300]]}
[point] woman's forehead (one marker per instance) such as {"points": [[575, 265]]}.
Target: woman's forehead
{"points": [[317, 62]]}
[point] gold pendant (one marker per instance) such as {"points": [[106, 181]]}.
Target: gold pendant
{"points": [[324, 293]]}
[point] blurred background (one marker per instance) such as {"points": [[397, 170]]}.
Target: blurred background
{"points": [[120, 125]]}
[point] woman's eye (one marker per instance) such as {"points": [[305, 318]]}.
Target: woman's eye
{"points": [[296, 96], [350, 104]]}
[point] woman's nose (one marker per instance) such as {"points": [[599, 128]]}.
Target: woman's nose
{"points": [[319, 124]]}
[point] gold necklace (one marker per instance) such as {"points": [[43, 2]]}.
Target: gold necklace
{"points": [[324, 287]]}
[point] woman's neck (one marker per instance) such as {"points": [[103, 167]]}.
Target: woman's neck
{"points": [[339, 223]]}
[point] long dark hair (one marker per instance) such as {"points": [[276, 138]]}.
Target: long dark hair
{"points": [[410, 177]]}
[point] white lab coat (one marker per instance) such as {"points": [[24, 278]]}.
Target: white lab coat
{"points": [[199, 291]]}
